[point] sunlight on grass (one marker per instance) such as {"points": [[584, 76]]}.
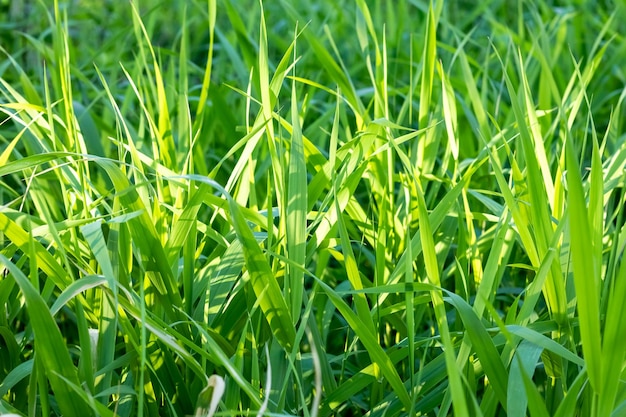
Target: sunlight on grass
{"points": [[315, 209]]}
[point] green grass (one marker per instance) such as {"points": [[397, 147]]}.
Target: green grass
{"points": [[312, 208]]}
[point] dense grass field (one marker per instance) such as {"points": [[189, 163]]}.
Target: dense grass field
{"points": [[312, 208]]}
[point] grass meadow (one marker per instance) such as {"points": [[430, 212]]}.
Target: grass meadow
{"points": [[312, 208]]}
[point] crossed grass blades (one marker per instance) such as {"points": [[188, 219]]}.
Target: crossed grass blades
{"points": [[327, 208]]}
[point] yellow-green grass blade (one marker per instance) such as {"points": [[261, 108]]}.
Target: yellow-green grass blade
{"points": [[426, 148], [554, 290], [296, 213], [163, 133], [613, 347], [596, 206], [142, 227], [520, 218], [93, 235], [75, 288], [63, 83], [585, 280], [123, 126], [51, 348], [35, 250], [183, 226], [531, 133], [268, 101], [352, 270], [533, 290], [327, 62], [366, 18], [206, 79], [436, 217], [449, 112], [31, 161], [502, 246], [480, 113]]}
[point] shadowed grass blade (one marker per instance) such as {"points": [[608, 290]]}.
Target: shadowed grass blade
{"points": [[50, 347], [264, 282]]}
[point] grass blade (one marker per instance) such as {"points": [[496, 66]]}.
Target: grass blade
{"points": [[50, 346], [585, 280]]}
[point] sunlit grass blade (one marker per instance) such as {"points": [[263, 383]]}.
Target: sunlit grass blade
{"points": [[152, 251], [163, 131], [554, 289], [35, 250], [296, 211], [206, 80], [425, 148], [184, 204]]}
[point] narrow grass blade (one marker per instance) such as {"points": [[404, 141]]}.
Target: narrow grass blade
{"points": [[585, 280], [264, 283], [375, 351], [432, 271], [539, 210], [613, 347], [485, 349], [32, 248], [50, 346], [206, 80], [536, 404], [150, 246], [296, 211]]}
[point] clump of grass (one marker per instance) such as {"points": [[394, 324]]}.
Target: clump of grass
{"points": [[242, 208]]}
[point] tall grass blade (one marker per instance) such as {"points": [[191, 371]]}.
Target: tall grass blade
{"points": [[51, 349], [265, 286], [585, 280]]}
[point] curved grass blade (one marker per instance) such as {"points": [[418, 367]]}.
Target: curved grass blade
{"points": [[585, 281], [45, 260], [263, 282], [376, 352], [50, 346]]}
